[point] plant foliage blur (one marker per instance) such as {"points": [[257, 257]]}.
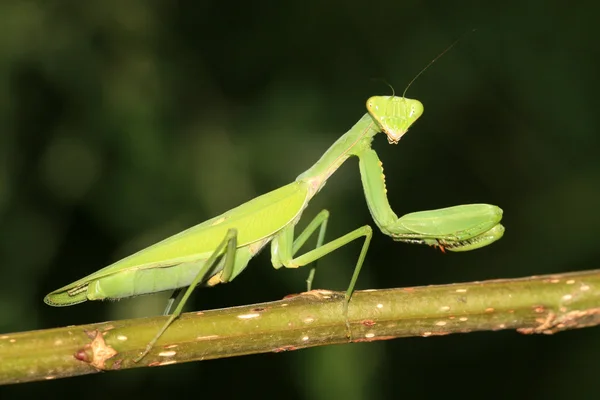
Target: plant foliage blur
{"points": [[126, 121]]}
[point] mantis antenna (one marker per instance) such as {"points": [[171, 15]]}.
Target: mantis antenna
{"points": [[395, 124], [434, 60], [387, 84]]}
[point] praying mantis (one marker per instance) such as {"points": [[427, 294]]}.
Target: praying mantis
{"points": [[218, 250]]}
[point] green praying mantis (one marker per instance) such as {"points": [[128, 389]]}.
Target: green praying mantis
{"points": [[218, 250]]}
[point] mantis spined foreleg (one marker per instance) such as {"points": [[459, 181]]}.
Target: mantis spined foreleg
{"points": [[458, 228], [218, 250]]}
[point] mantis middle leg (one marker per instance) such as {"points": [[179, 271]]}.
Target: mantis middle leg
{"points": [[283, 246]]}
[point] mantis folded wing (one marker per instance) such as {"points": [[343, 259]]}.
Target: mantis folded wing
{"points": [[218, 250]]}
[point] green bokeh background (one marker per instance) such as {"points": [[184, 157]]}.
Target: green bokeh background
{"points": [[123, 122]]}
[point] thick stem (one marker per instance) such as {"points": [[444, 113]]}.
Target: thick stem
{"points": [[539, 304]]}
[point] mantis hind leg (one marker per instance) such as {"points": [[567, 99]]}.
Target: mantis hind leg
{"points": [[172, 300], [228, 248]]}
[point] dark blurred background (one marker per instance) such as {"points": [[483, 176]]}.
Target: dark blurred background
{"points": [[123, 122]]}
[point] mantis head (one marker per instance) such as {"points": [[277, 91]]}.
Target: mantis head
{"points": [[394, 115]]}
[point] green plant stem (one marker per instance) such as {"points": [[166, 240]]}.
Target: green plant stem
{"points": [[539, 304]]}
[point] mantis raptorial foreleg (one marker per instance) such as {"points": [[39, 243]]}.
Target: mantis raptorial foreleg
{"points": [[229, 246], [458, 228]]}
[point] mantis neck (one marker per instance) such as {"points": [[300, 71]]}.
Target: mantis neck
{"points": [[354, 141]]}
